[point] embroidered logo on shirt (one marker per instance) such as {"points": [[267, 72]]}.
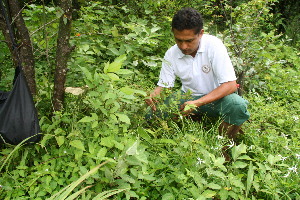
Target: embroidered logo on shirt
{"points": [[205, 68]]}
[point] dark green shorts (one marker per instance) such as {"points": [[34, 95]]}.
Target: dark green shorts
{"points": [[232, 108]]}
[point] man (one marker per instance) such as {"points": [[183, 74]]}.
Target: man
{"points": [[202, 63]]}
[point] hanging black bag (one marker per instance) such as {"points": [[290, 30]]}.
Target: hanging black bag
{"points": [[18, 116]]}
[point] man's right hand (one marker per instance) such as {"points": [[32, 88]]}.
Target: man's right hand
{"points": [[151, 100]]}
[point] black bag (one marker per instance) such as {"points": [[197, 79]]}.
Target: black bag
{"points": [[18, 116]]}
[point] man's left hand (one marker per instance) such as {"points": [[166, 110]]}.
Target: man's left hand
{"points": [[188, 107]]}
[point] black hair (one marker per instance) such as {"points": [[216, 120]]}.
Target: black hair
{"points": [[187, 18]]}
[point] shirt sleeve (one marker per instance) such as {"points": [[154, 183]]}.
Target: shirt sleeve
{"points": [[167, 74], [221, 63]]}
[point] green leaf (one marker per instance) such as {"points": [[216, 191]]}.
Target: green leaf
{"points": [[239, 164], [250, 176], [116, 65], [123, 118], [85, 47], [133, 149], [89, 119], [273, 159], [209, 193], [77, 144], [87, 73], [143, 134], [223, 194], [124, 71], [127, 90], [168, 196], [214, 186], [107, 141], [60, 140], [113, 76], [238, 150]]}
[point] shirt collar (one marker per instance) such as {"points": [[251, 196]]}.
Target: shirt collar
{"points": [[201, 48]]}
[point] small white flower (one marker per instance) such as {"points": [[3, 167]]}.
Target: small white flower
{"points": [[282, 158], [65, 151], [231, 144], [297, 156], [283, 135], [46, 170], [287, 148], [220, 137], [1, 186], [200, 161], [296, 118], [293, 169], [181, 117]]}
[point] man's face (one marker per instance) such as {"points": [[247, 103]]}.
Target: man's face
{"points": [[187, 41]]}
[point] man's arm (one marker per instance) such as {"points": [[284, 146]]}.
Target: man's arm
{"points": [[223, 90], [151, 99]]}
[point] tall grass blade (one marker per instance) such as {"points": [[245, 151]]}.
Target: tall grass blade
{"points": [[108, 193], [63, 193], [76, 194]]}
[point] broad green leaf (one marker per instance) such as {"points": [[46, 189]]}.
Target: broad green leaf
{"points": [[78, 144], [124, 71], [60, 140], [87, 73], [238, 150], [127, 90], [114, 31], [250, 176], [116, 65], [94, 124], [114, 51], [142, 157], [133, 149], [154, 29], [123, 118], [168, 196], [107, 141], [89, 119], [209, 193], [244, 157], [106, 66], [214, 186], [273, 159], [102, 152], [130, 91], [239, 164], [223, 194], [143, 134], [219, 161], [113, 76]]}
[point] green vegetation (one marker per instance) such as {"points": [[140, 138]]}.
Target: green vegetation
{"points": [[99, 146]]}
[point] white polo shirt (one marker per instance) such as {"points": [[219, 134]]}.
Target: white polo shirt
{"points": [[201, 74]]}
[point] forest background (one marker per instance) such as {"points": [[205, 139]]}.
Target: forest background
{"points": [[90, 65]]}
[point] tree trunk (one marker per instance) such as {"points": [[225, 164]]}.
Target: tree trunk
{"points": [[24, 52], [63, 52]]}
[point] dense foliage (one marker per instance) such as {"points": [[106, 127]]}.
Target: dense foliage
{"points": [[100, 145]]}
